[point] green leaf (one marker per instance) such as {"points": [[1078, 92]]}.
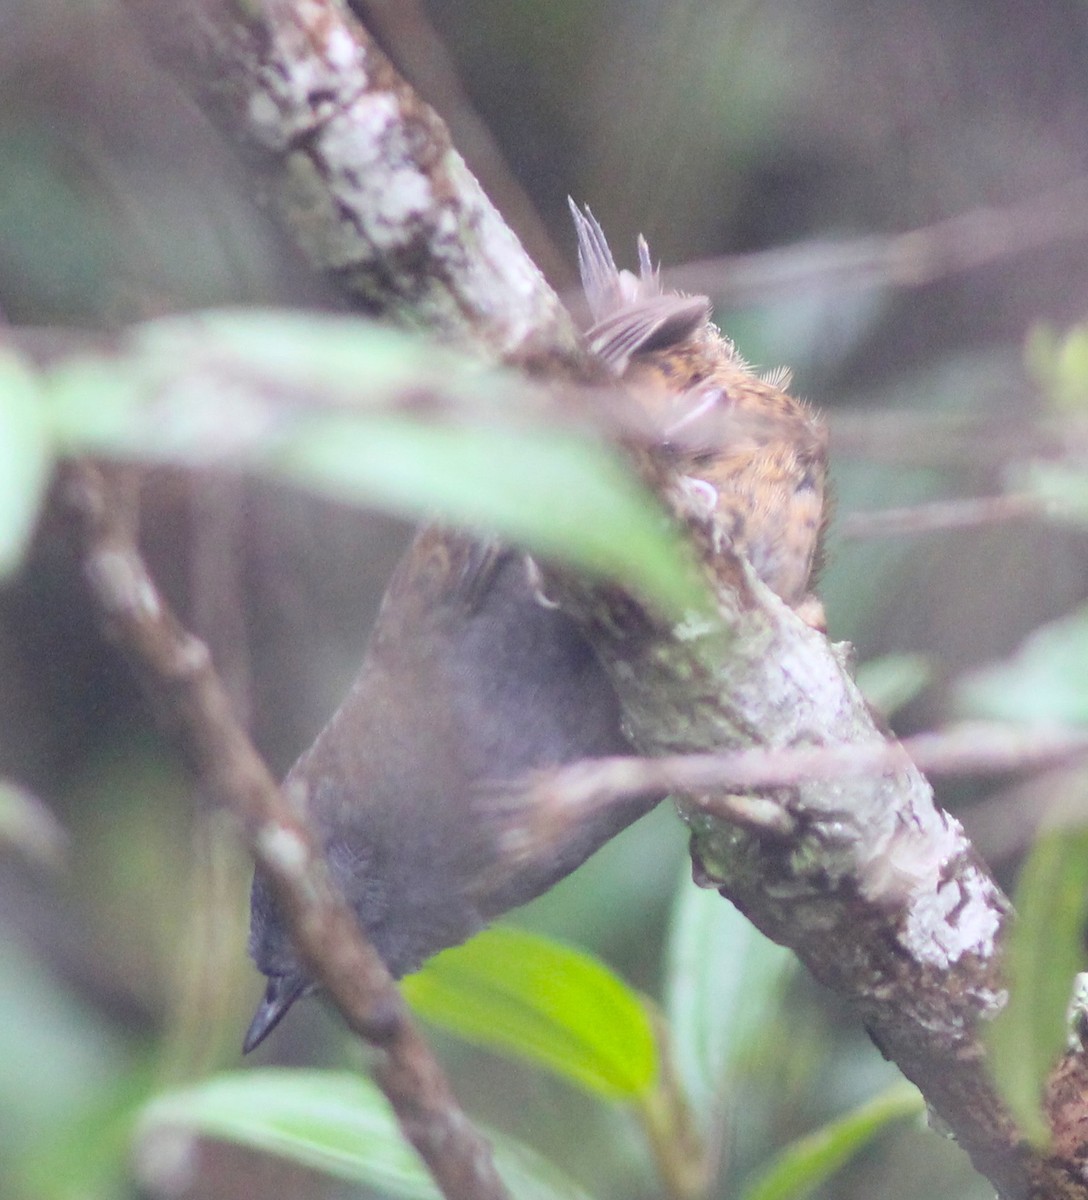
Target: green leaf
{"points": [[1043, 954], [723, 988], [64, 1068], [333, 1122], [354, 362], [1062, 487], [525, 995], [1059, 364], [1040, 353], [27, 825], [1045, 680], [1071, 394], [373, 416], [804, 1165], [894, 680], [26, 457], [218, 384], [561, 496], [86, 1156]]}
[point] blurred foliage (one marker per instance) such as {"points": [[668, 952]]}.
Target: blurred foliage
{"points": [[28, 826], [467, 455], [723, 985], [529, 997], [334, 1122], [1045, 954], [714, 128], [1044, 682], [1058, 362], [799, 1168], [891, 682], [25, 458]]}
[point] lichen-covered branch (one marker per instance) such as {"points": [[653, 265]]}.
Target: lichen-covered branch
{"points": [[360, 171], [874, 888]]}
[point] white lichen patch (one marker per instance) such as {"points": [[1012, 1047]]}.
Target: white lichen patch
{"points": [[387, 192], [501, 252], [342, 50], [357, 136], [301, 90], [499, 280], [406, 196], [695, 625], [899, 861], [266, 121], [283, 847], [445, 229], [959, 917], [811, 683], [121, 584]]}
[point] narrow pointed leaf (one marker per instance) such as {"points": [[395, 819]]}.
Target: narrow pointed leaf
{"points": [[724, 983], [808, 1162], [26, 457], [1043, 955]]}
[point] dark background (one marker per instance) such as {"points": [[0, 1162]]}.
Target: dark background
{"points": [[712, 128]]}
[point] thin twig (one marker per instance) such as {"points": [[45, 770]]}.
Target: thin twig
{"points": [[972, 748], [176, 671], [961, 243], [969, 513]]}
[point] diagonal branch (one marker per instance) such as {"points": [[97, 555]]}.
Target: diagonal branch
{"points": [[912, 258], [361, 171], [176, 671], [961, 513], [876, 890]]}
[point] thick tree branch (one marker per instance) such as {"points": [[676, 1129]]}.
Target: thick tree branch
{"points": [[877, 890], [361, 171], [415, 45], [176, 671]]}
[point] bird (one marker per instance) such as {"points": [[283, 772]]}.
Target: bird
{"points": [[756, 454], [473, 678]]}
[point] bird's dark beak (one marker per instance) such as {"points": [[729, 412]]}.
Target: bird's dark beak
{"points": [[282, 991]]}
